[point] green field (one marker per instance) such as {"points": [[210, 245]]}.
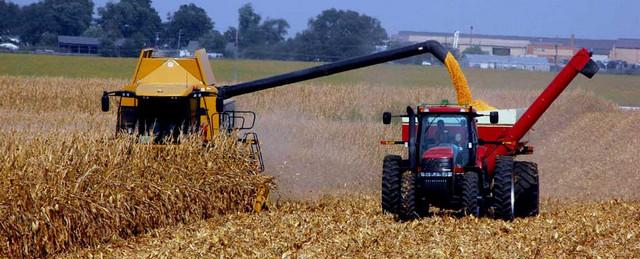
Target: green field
{"points": [[621, 89]]}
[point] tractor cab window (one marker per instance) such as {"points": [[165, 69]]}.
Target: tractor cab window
{"points": [[446, 130]]}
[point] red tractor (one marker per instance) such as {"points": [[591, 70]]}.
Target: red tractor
{"points": [[459, 160]]}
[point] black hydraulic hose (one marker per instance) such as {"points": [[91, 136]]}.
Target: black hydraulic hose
{"points": [[431, 46]]}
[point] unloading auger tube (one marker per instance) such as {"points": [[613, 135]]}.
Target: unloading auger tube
{"points": [[433, 47]]}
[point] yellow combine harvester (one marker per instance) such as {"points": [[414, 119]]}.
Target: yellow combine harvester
{"points": [[169, 96]]}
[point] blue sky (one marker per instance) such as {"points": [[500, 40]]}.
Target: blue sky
{"points": [[597, 19]]}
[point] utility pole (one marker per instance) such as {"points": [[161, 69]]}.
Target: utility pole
{"points": [[179, 38], [157, 39], [235, 54], [555, 58]]}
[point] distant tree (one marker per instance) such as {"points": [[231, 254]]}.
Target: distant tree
{"points": [[132, 45], [230, 34], [257, 38], [213, 41], [94, 31], [10, 21], [249, 26], [475, 49], [127, 18], [56, 17], [191, 22], [48, 39], [337, 34], [274, 31], [108, 47]]}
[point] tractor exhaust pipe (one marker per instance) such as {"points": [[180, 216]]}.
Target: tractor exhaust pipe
{"points": [[432, 47]]}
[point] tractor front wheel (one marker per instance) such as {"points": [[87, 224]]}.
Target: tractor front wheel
{"points": [[470, 193], [527, 189], [504, 188], [391, 182], [407, 207]]}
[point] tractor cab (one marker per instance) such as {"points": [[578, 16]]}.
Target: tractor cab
{"points": [[445, 133]]}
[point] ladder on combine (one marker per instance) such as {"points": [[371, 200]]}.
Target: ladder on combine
{"points": [[244, 121]]}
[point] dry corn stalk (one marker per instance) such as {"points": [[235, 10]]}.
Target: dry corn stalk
{"points": [[65, 191]]}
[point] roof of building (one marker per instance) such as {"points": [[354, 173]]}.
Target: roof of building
{"points": [[78, 40], [193, 45], [520, 60], [628, 43], [592, 44], [465, 35]]}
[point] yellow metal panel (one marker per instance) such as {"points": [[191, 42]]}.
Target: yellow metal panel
{"points": [[213, 114], [148, 65], [127, 101], [171, 72], [205, 67], [211, 120], [163, 90], [190, 66], [169, 79], [145, 53]]}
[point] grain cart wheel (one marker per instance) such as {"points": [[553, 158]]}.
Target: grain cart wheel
{"points": [[391, 176], [504, 188], [407, 207], [470, 193], [527, 189]]}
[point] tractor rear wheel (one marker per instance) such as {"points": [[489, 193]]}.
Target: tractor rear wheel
{"points": [[527, 189], [470, 193], [391, 182], [504, 188], [407, 207]]}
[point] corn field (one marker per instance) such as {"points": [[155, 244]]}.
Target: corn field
{"points": [[73, 190]]}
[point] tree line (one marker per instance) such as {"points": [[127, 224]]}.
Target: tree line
{"points": [[126, 26]]}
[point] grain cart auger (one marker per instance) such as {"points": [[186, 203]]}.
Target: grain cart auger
{"points": [[463, 160], [168, 96]]}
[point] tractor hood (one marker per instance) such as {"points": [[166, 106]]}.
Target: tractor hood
{"points": [[438, 153]]}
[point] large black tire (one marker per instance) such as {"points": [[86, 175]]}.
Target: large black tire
{"points": [[407, 207], [504, 188], [527, 202], [470, 193], [391, 181]]}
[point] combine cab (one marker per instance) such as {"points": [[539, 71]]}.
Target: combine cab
{"points": [[463, 159]]}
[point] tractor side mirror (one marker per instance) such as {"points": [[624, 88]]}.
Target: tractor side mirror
{"points": [[105, 102], [493, 117], [386, 117]]}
